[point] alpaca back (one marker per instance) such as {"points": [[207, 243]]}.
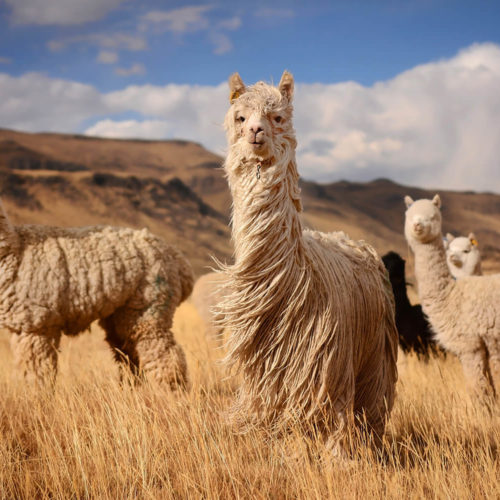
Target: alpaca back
{"points": [[68, 277]]}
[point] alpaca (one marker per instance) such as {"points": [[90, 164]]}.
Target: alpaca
{"points": [[207, 293], [462, 255], [464, 313], [414, 330], [310, 314], [58, 280]]}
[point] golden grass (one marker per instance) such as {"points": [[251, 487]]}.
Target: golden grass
{"points": [[95, 438]]}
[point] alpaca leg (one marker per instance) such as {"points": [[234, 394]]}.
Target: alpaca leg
{"points": [[123, 350], [162, 359], [147, 345], [493, 346], [476, 371], [35, 356]]}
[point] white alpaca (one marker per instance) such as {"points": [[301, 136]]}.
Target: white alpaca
{"points": [[58, 280], [464, 313], [310, 315], [208, 291], [462, 255]]}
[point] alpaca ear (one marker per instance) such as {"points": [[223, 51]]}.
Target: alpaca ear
{"points": [[236, 87], [286, 85], [408, 201], [472, 239], [449, 237], [437, 201]]}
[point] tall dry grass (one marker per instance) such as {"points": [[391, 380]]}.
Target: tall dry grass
{"points": [[95, 438]]}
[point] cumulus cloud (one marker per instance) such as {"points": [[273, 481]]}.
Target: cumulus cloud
{"points": [[59, 12], [435, 125], [432, 125], [131, 129], [180, 111], [35, 102], [135, 69]]}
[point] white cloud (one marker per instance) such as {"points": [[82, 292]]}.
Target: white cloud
{"points": [[107, 57], [185, 112], [35, 102], [131, 129], [435, 125], [113, 41], [222, 44], [192, 19], [183, 20], [60, 12], [135, 69]]}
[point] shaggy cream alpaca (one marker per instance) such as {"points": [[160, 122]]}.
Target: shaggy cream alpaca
{"points": [[310, 315], [462, 255], [58, 280], [464, 313], [208, 291]]}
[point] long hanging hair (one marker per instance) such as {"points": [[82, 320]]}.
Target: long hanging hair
{"points": [[307, 312]]}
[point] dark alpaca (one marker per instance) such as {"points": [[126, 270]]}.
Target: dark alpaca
{"points": [[414, 330]]}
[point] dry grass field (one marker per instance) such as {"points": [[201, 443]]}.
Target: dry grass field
{"points": [[96, 438]]}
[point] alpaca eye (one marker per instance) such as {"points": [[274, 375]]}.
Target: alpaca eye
{"points": [[241, 119], [278, 119]]}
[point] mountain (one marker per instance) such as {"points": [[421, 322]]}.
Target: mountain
{"points": [[177, 189]]}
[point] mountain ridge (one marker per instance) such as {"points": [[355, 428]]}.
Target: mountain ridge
{"points": [[177, 189]]}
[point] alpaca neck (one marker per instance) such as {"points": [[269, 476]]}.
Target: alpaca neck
{"points": [[266, 226], [431, 270], [401, 297]]}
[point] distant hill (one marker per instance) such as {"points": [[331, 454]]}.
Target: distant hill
{"points": [[177, 189]]}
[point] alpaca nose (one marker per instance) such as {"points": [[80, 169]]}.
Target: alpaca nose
{"points": [[256, 128], [418, 226]]}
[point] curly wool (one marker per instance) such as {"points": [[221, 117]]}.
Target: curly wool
{"points": [[310, 315], [59, 280]]}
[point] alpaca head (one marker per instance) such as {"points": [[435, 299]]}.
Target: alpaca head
{"points": [[462, 255], [423, 220], [259, 122]]}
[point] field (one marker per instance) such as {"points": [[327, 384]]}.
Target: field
{"points": [[96, 438]]}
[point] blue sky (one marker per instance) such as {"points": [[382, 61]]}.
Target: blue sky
{"points": [[393, 88]]}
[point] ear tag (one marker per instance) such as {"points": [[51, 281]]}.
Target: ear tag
{"points": [[474, 242]]}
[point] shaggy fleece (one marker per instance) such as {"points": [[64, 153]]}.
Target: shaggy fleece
{"points": [[59, 280], [310, 314]]}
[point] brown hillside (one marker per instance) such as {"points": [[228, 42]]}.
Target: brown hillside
{"points": [[177, 189]]}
